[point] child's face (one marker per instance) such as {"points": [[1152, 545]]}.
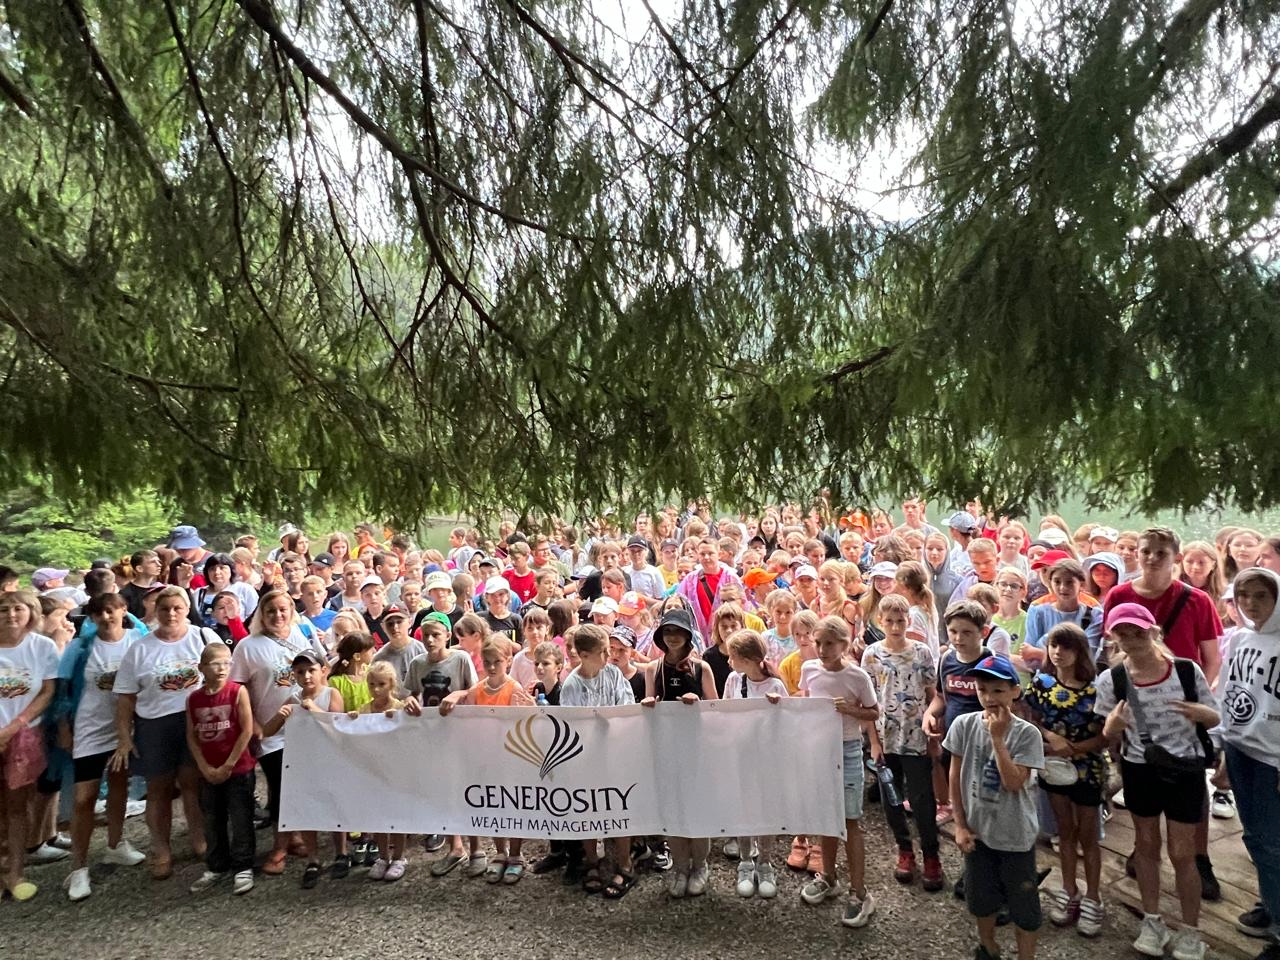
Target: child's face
{"points": [[1010, 540], [441, 598], [782, 614], [435, 641], [831, 652], [216, 667], [411, 597], [1104, 577], [935, 551], [965, 636], [374, 599], [829, 583], [312, 596], [497, 601], [398, 629], [803, 635], [535, 633], [571, 653], [468, 639], [547, 670], [114, 617], [1130, 637], [984, 565], [1127, 547], [894, 624], [495, 666], [1255, 602], [884, 585], [1010, 588], [736, 663], [381, 686], [1063, 656], [310, 677], [996, 693], [1065, 587], [619, 653]]}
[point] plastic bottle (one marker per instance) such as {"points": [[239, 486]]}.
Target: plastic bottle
{"points": [[542, 699], [888, 788]]}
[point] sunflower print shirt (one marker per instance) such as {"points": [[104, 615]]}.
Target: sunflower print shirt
{"points": [[1069, 714]]}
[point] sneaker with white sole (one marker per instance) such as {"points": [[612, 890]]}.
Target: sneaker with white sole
{"points": [[1153, 937], [46, 853], [243, 882], [78, 885], [731, 849], [746, 879], [206, 880], [678, 883], [858, 911], [820, 889], [1187, 944], [1118, 799], [61, 841], [698, 877], [1090, 922], [134, 808], [379, 869], [766, 881], [1223, 805], [123, 855]]}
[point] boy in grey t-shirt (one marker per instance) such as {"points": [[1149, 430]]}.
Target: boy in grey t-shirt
{"points": [[992, 756]]}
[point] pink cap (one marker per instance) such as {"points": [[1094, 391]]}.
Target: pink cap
{"points": [[1133, 613]]}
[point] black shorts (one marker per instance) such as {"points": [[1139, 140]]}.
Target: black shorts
{"points": [[161, 745], [1149, 792], [272, 765], [1081, 793], [996, 878], [91, 768]]}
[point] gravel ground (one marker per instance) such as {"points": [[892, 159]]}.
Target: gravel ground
{"points": [[129, 915]]}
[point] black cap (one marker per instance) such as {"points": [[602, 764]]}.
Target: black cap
{"points": [[324, 559], [637, 541], [308, 656], [102, 563]]}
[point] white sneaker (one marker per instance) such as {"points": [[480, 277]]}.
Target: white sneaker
{"points": [[1118, 799], [1223, 805], [857, 913], [766, 881], [1153, 937], [819, 889], [100, 808], [243, 882], [135, 808], [698, 880], [78, 885], [379, 869], [1187, 945], [678, 883], [746, 879], [61, 841], [731, 849], [123, 855], [1090, 922], [46, 853], [207, 880]]}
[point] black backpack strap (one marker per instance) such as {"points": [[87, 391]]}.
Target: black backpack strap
{"points": [[1187, 677], [1178, 606]]}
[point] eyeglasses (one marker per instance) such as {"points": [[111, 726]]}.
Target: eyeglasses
{"points": [[1008, 584]]}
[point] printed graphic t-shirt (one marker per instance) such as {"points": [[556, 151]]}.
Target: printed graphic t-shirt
{"points": [[23, 671], [162, 672]]}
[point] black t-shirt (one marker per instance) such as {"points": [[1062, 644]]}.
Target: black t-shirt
{"points": [[719, 664], [510, 624], [454, 616], [671, 683], [132, 595], [590, 588], [637, 685], [552, 695]]}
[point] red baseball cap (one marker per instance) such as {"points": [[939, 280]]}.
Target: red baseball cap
{"points": [[1049, 558]]}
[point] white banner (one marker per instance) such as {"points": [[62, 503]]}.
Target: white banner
{"points": [[719, 768]]}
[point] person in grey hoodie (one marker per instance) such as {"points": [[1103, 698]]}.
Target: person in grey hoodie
{"points": [[1251, 731], [1100, 581], [943, 579]]}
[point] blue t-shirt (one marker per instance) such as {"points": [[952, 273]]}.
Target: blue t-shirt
{"points": [[961, 690], [1043, 617]]}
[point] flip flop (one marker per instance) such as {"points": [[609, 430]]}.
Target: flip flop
{"points": [[592, 882], [513, 872], [273, 866], [493, 872], [24, 891], [447, 864]]}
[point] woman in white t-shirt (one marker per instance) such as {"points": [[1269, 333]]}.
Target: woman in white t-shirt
{"points": [[28, 672], [86, 716], [153, 681], [263, 662]]}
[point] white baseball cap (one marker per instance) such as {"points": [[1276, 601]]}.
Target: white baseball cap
{"points": [[496, 585]]}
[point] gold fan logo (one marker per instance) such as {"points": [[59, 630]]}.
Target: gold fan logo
{"points": [[521, 743]]}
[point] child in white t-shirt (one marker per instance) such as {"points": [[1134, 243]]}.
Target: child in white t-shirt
{"points": [[752, 678], [832, 676]]}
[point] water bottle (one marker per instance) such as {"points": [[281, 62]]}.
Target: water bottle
{"points": [[888, 789], [542, 699]]}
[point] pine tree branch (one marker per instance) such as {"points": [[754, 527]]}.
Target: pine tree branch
{"points": [[9, 87], [1214, 157]]}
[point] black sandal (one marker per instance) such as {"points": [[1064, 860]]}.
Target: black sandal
{"points": [[311, 876], [619, 886], [340, 867], [592, 882]]}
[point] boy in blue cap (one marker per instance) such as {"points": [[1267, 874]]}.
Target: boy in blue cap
{"points": [[993, 754]]}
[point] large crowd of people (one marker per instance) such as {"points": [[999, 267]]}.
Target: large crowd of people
{"points": [[1017, 681]]}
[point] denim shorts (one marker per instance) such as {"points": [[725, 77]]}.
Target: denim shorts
{"points": [[855, 779]]}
